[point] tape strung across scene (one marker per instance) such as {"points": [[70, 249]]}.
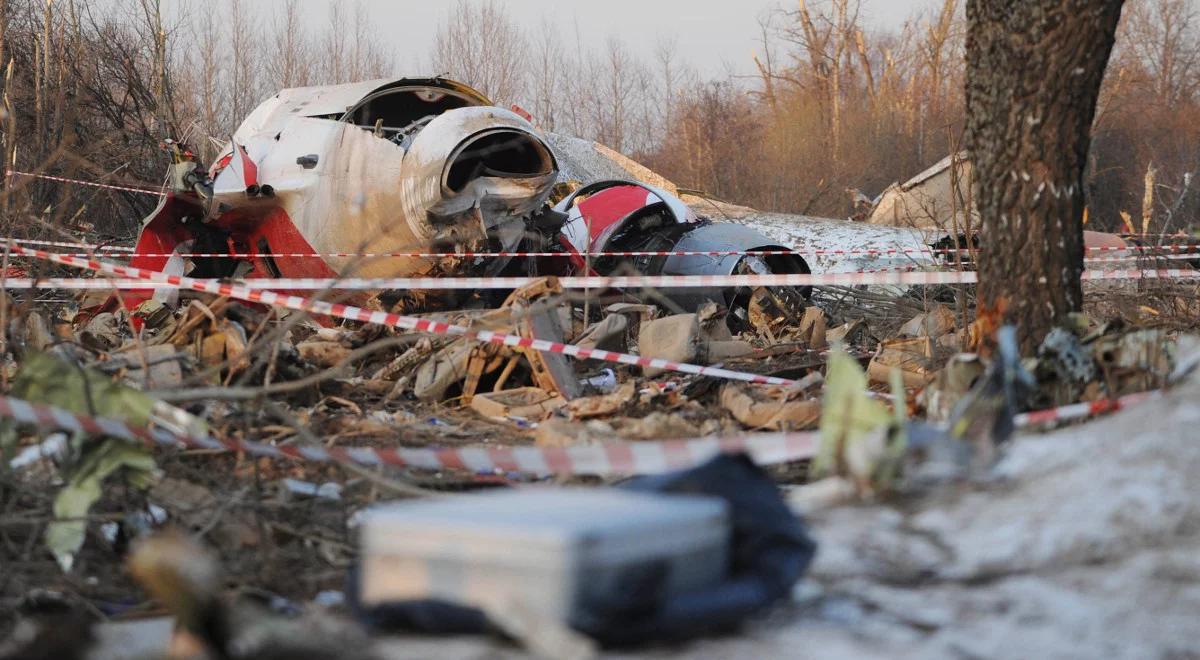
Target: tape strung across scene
{"points": [[613, 459], [1171, 252], [92, 184], [78, 246], [352, 313], [862, 278], [1081, 410]]}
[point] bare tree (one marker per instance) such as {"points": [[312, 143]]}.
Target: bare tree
{"points": [[289, 64], [668, 85], [619, 83], [334, 49], [208, 77], [547, 64], [481, 45], [1160, 39], [937, 53], [825, 36], [1033, 76], [244, 53]]}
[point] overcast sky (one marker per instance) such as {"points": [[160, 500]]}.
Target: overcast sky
{"points": [[711, 34]]}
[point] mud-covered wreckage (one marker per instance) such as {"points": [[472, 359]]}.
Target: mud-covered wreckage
{"points": [[319, 182]]}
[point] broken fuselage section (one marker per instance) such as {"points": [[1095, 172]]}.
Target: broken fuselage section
{"points": [[415, 178]]}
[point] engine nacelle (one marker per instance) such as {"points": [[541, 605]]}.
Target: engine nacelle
{"points": [[380, 167]]}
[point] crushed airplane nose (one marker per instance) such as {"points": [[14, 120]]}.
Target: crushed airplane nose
{"points": [[316, 174], [318, 178]]}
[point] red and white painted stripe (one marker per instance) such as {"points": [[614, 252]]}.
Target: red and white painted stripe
{"points": [[352, 313]]}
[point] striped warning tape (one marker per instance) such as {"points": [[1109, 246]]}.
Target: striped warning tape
{"points": [[92, 184], [612, 459], [263, 287], [91, 248], [506, 283], [857, 278], [129, 253], [1083, 410], [352, 313], [1164, 252], [602, 460], [1181, 256]]}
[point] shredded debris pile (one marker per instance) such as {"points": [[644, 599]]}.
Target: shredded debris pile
{"points": [[213, 366]]}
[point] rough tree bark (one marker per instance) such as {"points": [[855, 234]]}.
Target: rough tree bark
{"points": [[1034, 69]]}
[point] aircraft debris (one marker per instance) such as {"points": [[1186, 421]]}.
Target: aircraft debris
{"points": [[914, 358], [316, 176], [530, 404], [770, 409]]}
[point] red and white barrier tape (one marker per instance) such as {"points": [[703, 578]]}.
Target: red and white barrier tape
{"points": [[92, 184], [614, 459], [352, 313], [73, 284], [266, 285], [1081, 410], [647, 457], [91, 249], [1167, 252], [1185, 256]]}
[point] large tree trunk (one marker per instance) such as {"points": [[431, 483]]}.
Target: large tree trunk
{"points": [[1034, 69]]}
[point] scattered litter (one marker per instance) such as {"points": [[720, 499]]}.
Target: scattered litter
{"points": [[446, 368], [913, 357], [329, 598], [846, 334], [322, 353], [53, 448], [1065, 354], [326, 491], [688, 338], [559, 432], [758, 408], [526, 403], [656, 426], [165, 367], [952, 383], [102, 333], [608, 335], [605, 382], [604, 405], [935, 323]]}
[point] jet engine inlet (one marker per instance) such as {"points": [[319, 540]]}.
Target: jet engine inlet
{"points": [[500, 153]]}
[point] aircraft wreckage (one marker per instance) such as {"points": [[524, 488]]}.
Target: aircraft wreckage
{"points": [[337, 181]]}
